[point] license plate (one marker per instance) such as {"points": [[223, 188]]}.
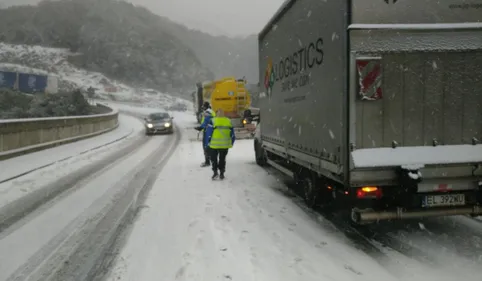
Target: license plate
{"points": [[444, 200]]}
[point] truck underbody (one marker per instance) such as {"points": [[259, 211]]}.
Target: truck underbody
{"points": [[404, 198]]}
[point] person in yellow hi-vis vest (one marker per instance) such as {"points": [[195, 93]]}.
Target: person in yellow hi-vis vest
{"points": [[220, 138]]}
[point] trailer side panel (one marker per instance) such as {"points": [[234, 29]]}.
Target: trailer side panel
{"points": [[302, 73]]}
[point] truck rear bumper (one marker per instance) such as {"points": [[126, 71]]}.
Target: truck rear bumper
{"points": [[399, 213]]}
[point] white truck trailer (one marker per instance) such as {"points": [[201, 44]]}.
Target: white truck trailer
{"points": [[375, 107]]}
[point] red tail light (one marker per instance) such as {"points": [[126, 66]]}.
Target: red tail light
{"points": [[369, 192]]}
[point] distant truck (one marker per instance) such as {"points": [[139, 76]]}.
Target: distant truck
{"points": [[375, 107], [230, 95]]}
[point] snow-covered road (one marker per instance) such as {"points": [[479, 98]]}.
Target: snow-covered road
{"points": [[238, 229], [79, 196], [17, 177], [247, 227]]}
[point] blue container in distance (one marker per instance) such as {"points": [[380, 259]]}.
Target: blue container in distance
{"points": [[31, 83], [7, 79]]}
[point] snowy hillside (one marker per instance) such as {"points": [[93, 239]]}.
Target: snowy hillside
{"points": [[52, 61]]}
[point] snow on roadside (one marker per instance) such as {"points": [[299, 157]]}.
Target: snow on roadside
{"points": [[182, 118], [54, 61], [53, 232], [21, 68], [16, 188], [240, 229], [65, 158]]}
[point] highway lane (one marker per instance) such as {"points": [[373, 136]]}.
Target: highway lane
{"points": [[85, 213]]}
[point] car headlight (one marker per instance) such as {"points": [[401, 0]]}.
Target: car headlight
{"points": [[167, 125], [149, 126]]}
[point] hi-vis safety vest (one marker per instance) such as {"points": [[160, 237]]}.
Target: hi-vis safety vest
{"points": [[221, 137]]}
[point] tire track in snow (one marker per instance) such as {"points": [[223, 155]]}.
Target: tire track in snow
{"points": [[21, 208], [450, 246], [381, 242], [133, 203], [279, 230], [458, 235], [65, 159], [86, 254], [361, 239]]}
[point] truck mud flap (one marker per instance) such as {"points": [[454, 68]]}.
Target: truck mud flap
{"points": [[399, 214]]}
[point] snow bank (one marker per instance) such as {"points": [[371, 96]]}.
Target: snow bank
{"points": [[53, 61], [181, 118], [21, 68], [419, 155]]}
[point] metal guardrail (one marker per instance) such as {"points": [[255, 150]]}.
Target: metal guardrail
{"points": [[22, 136]]}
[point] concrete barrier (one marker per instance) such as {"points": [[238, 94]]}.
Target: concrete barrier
{"points": [[22, 136]]}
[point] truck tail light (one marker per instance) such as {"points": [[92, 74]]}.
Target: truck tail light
{"points": [[369, 192]]}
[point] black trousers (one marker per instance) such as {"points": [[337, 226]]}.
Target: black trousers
{"points": [[218, 159]]}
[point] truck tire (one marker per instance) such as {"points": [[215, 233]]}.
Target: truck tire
{"points": [[310, 188], [259, 154]]}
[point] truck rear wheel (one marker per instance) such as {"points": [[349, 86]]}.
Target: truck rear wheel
{"points": [[311, 188], [259, 154]]}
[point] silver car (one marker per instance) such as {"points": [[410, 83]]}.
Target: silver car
{"points": [[159, 123]]}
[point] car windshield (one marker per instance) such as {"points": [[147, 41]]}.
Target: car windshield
{"points": [[159, 116]]}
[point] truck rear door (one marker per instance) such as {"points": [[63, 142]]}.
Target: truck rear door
{"points": [[416, 98], [416, 81]]}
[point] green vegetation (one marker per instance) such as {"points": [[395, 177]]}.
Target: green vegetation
{"points": [[17, 105]]}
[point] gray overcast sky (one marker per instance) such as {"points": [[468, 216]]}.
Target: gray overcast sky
{"points": [[218, 17], [227, 17]]}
